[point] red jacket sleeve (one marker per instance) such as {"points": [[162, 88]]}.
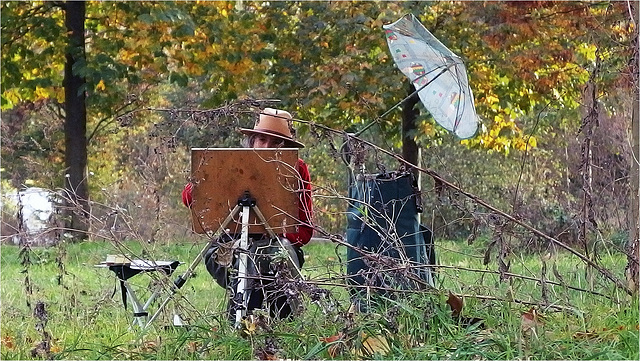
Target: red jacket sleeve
{"points": [[305, 209], [187, 199]]}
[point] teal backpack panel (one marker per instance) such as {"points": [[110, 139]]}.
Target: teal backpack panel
{"points": [[382, 218]]}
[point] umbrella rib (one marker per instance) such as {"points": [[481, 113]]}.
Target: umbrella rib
{"points": [[442, 71]]}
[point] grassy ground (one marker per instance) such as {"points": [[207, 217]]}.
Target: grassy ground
{"points": [[80, 316]]}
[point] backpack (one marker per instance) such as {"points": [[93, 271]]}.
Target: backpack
{"points": [[382, 219]]}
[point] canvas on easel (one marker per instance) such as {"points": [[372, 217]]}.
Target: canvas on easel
{"points": [[220, 177]]}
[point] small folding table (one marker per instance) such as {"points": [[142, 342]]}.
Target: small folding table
{"points": [[125, 268]]}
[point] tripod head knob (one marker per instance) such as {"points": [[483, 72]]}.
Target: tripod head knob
{"points": [[246, 200]]}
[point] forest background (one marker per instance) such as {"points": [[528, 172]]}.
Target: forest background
{"points": [[110, 123], [554, 86]]}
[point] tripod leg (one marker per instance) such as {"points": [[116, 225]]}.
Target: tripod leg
{"points": [[273, 235], [181, 280], [241, 311]]}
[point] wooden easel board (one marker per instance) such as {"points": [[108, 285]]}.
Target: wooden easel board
{"points": [[220, 176]]}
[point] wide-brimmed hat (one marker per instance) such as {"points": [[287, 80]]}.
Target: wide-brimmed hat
{"points": [[276, 123]]}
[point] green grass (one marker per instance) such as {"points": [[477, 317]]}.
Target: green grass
{"points": [[86, 320]]}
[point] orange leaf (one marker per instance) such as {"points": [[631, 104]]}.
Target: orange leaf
{"points": [[193, 346], [333, 338], [336, 348], [7, 341]]}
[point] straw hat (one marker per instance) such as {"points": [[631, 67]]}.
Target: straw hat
{"points": [[275, 123]]}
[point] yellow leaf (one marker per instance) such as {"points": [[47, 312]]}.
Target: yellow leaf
{"points": [[194, 68], [12, 97], [491, 99], [59, 93], [428, 129], [41, 93], [373, 344], [532, 142], [100, 85], [249, 326]]}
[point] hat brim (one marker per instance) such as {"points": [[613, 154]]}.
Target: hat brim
{"points": [[287, 141]]}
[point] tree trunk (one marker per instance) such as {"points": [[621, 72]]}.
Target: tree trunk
{"points": [[634, 214], [409, 115], [75, 125], [410, 150]]}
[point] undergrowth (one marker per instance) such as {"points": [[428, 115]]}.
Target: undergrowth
{"points": [[81, 314]]}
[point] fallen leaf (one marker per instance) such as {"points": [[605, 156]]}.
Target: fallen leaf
{"points": [[585, 335], [335, 349], [604, 334], [249, 327], [7, 341], [149, 346], [373, 344], [456, 304], [334, 338], [530, 320], [265, 355], [193, 346]]}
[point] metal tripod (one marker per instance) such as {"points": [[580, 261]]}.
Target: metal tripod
{"points": [[245, 204]]}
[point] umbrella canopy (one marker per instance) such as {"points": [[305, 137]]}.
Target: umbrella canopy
{"points": [[437, 73]]}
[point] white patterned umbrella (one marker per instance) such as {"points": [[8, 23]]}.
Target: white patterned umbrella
{"points": [[438, 74]]}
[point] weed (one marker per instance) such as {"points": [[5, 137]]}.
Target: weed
{"points": [[83, 318]]}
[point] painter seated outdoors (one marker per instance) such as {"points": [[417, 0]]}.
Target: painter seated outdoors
{"points": [[273, 129]]}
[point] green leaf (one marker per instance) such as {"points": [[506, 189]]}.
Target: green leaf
{"points": [[5, 103], [180, 79], [185, 30], [145, 18]]}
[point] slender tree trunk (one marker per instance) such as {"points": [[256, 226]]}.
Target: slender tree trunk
{"points": [[409, 115], [410, 150], [75, 126], [634, 214]]}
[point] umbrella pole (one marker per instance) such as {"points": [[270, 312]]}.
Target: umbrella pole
{"points": [[402, 101]]}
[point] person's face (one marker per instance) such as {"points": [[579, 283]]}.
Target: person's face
{"points": [[267, 141]]}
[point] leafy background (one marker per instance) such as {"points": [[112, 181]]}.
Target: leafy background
{"points": [[554, 87]]}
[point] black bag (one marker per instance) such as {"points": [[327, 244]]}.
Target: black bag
{"points": [[382, 218], [261, 293]]}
